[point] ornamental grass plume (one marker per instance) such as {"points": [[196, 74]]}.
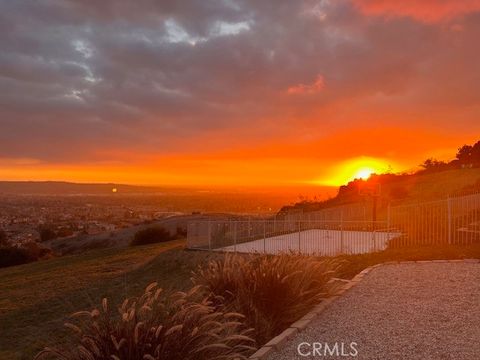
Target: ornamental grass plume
{"points": [[271, 291], [155, 326]]}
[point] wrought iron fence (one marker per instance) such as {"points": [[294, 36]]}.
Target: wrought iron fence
{"points": [[276, 236], [455, 220]]}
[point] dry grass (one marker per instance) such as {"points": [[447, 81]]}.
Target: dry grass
{"points": [[271, 291], [179, 326], [36, 298]]}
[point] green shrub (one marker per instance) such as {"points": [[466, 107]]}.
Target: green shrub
{"points": [[271, 291], [156, 327], [47, 233], [151, 235], [11, 256]]}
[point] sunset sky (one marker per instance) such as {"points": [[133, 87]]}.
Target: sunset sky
{"points": [[226, 92]]}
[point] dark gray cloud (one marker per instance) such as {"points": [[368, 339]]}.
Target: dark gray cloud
{"points": [[79, 76]]}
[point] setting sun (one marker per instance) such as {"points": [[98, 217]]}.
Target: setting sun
{"points": [[356, 168], [364, 173]]}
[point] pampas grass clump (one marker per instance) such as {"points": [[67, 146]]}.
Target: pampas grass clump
{"points": [[271, 291], [180, 326]]}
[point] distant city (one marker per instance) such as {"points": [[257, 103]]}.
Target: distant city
{"points": [[41, 217]]}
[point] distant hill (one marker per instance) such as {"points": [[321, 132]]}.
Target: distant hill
{"points": [[68, 188]]}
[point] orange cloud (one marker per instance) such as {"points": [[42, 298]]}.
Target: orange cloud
{"points": [[426, 10], [317, 86]]}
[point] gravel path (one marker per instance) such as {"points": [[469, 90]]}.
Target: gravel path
{"points": [[403, 311]]}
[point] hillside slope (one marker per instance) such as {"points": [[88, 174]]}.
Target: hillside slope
{"points": [[36, 298], [400, 189], [424, 187]]}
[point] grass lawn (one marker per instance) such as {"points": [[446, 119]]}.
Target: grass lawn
{"points": [[36, 298]]}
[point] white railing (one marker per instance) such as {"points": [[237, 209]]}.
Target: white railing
{"points": [[275, 236], [455, 220]]}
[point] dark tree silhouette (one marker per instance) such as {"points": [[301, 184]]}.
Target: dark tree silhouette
{"points": [[476, 153], [469, 154], [464, 154], [3, 238], [434, 165]]}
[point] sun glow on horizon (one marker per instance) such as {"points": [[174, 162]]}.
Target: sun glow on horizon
{"points": [[356, 168], [364, 173]]}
